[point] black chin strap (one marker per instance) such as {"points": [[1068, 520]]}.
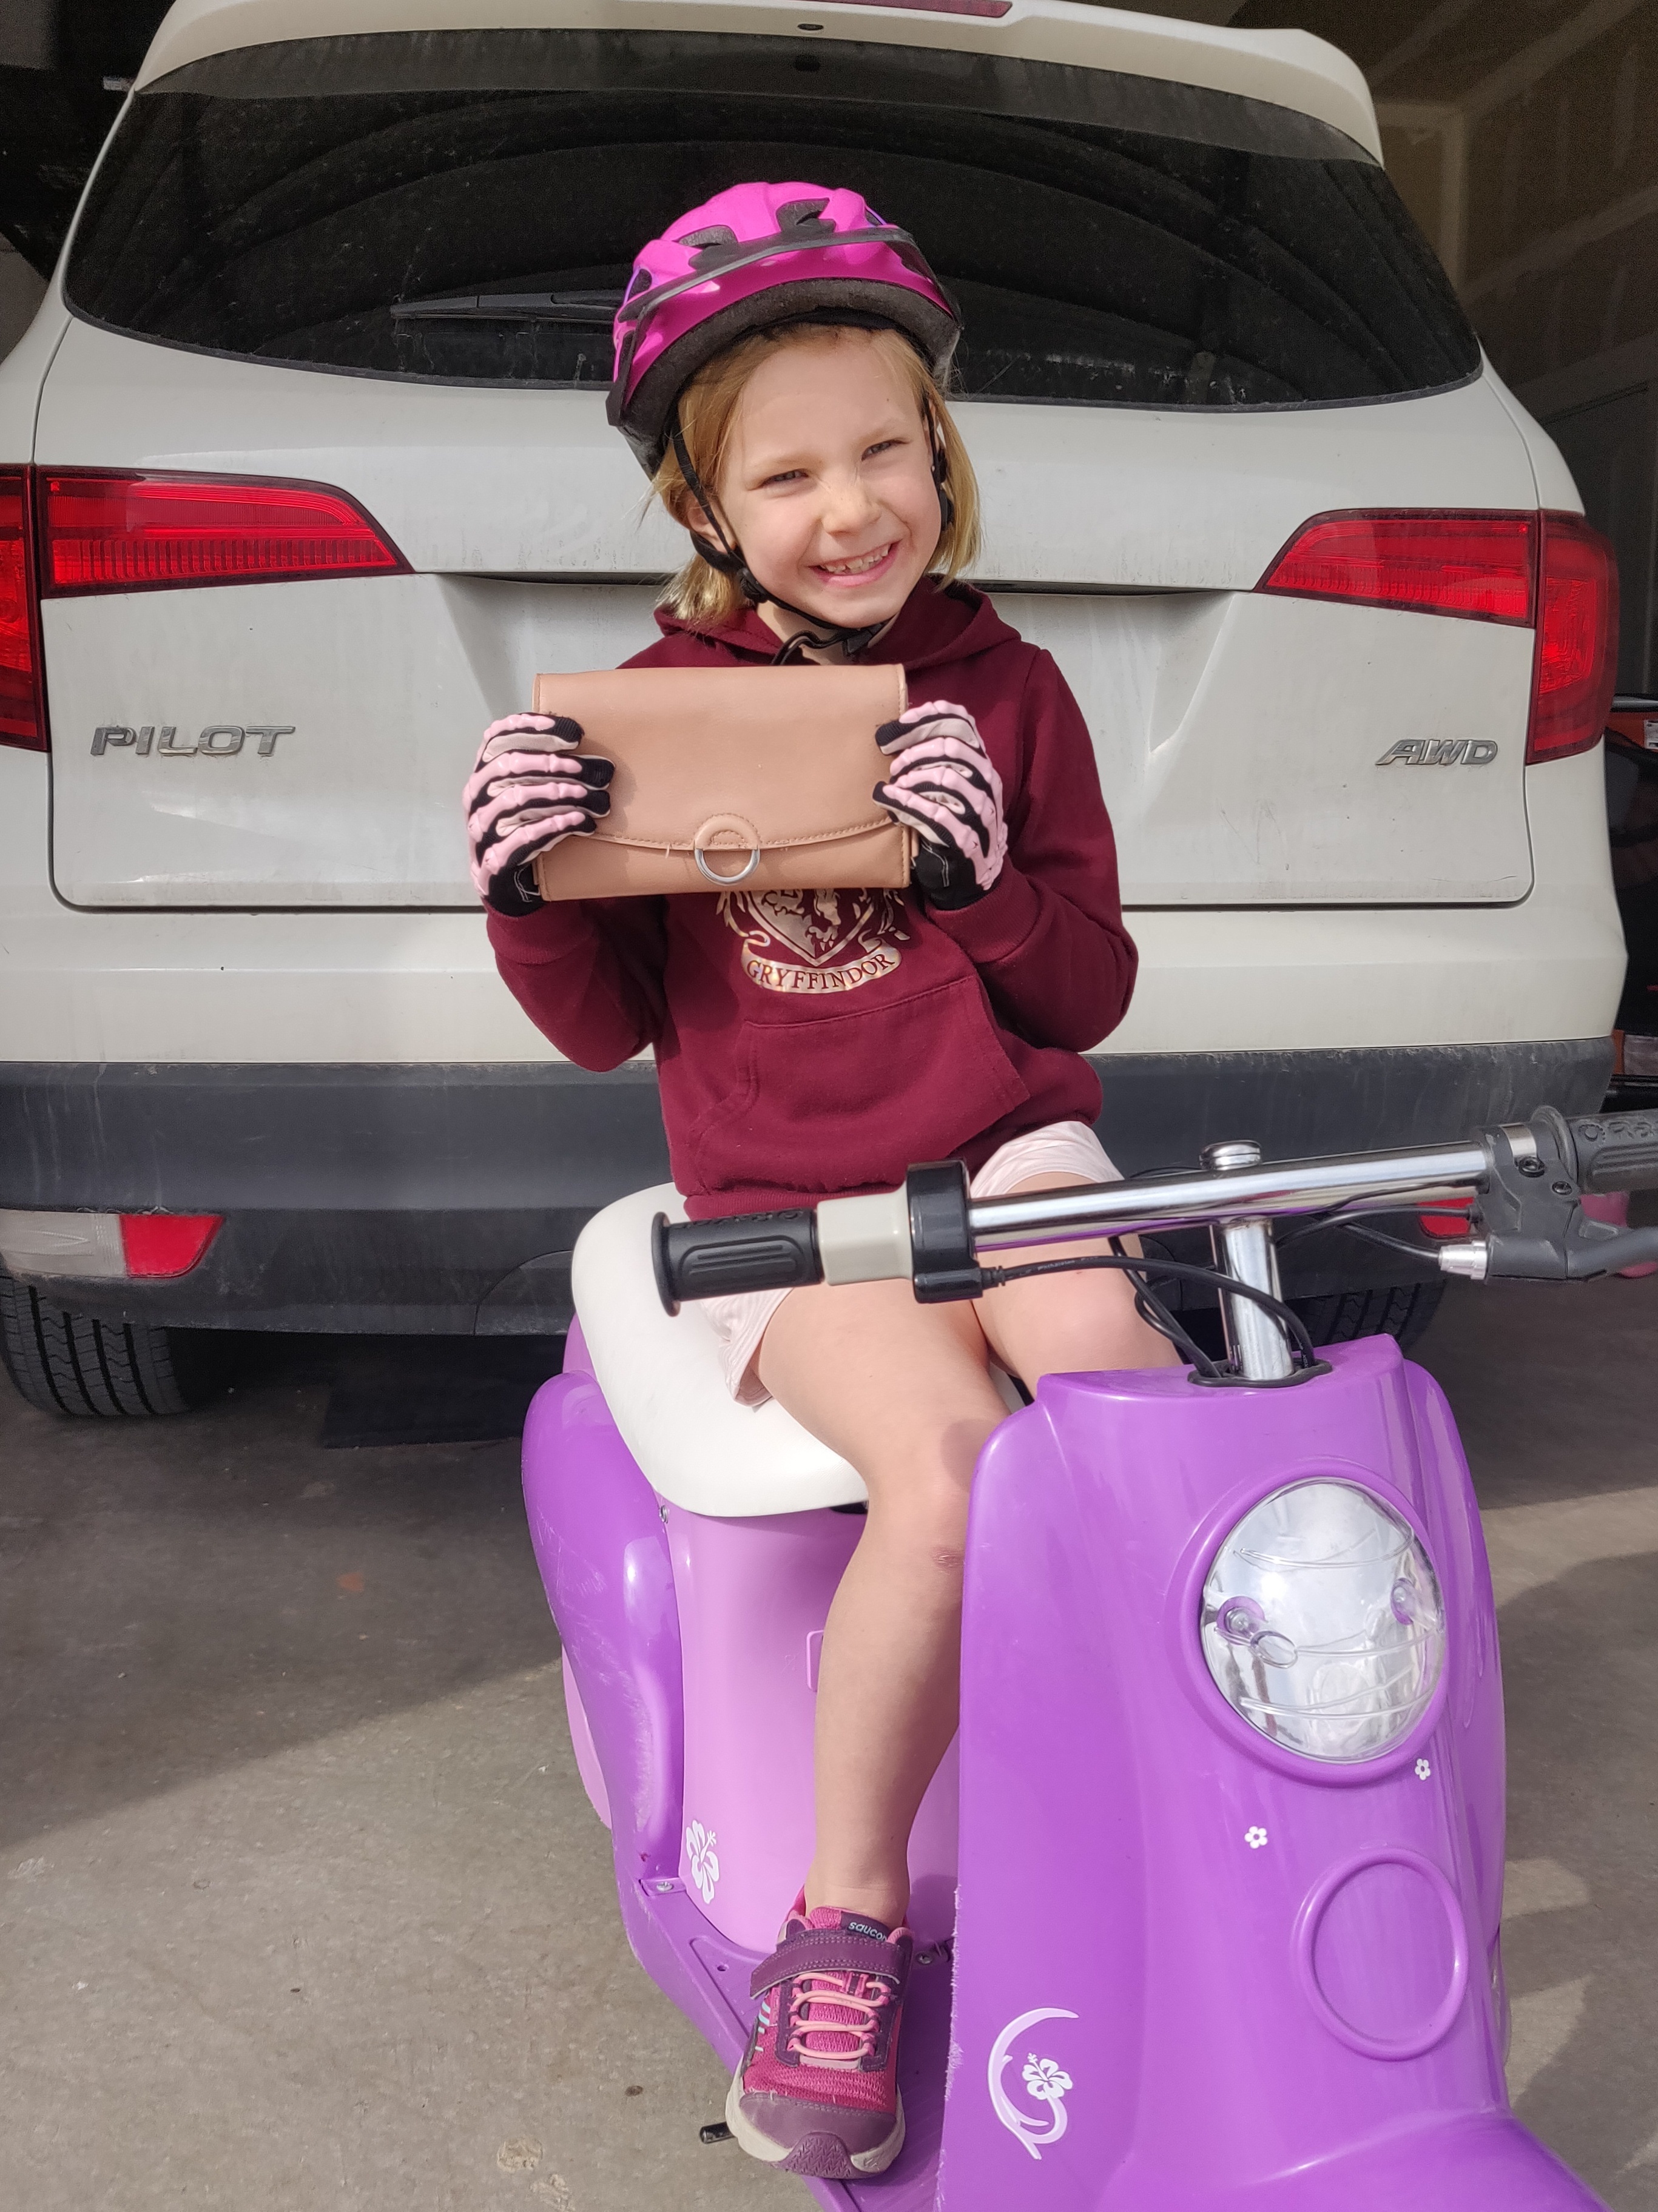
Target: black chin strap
{"points": [[727, 558]]}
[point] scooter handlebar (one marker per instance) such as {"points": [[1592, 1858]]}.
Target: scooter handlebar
{"points": [[933, 1233], [1616, 1151], [743, 1252], [921, 1234]]}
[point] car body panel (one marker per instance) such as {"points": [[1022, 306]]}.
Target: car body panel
{"points": [[393, 988], [1238, 734], [429, 1198], [1199, 499], [1289, 69]]}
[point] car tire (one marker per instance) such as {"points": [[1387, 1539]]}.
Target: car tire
{"points": [[67, 1363], [1403, 1311]]}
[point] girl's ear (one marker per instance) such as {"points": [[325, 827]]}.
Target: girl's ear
{"points": [[688, 510]]}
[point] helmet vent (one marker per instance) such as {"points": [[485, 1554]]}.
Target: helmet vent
{"points": [[803, 215], [717, 233]]}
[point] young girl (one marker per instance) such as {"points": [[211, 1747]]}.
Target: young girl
{"points": [[781, 359]]}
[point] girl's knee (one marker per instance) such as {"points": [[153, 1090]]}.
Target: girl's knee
{"points": [[928, 1523]]}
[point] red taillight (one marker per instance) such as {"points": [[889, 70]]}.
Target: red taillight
{"points": [[1549, 569], [1576, 639], [1446, 1224], [165, 1243], [22, 705], [1422, 559], [147, 533]]}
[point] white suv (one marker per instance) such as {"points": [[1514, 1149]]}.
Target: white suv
{"points": [[306, 474]]}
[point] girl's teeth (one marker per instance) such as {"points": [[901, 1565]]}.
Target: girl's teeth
{"points": [[855, 567]]}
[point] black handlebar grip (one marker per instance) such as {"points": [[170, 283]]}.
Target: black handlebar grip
{"points": [[743, 1252], [1616, 1151]]}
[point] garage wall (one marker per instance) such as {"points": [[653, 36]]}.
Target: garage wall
{"points": [[1562, 256], [20, 293], [1421, 148]]}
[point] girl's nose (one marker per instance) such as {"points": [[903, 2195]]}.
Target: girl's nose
{"points": [[848, 504]]}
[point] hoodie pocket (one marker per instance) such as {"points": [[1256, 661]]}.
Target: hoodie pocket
{"points": [[844, 1101]]}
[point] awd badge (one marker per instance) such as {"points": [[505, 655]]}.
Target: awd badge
{"points": [[1440, 752]]}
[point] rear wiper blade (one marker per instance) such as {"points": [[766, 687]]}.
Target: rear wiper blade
{"points": [[595, 309]]}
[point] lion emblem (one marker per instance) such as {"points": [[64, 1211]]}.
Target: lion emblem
{"points": [[816, 941]]}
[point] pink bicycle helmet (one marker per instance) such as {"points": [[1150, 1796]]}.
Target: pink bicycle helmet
{"points": [[754, 255]]}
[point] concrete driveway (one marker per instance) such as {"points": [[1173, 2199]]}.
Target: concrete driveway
{"points": [[301, 1905]]}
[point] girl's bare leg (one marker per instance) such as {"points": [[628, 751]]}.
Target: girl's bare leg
{"points": [[902, 1391], [1067, 1324]]}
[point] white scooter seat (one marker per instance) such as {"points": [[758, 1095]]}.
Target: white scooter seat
{"points": [[662, 1382]]}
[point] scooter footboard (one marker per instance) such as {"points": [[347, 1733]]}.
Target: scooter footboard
{"points": [[1229, 1899]]}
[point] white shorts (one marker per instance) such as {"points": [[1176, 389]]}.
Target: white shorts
{"points": [[1064, 1148]]}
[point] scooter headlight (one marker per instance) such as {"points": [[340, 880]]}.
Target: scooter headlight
{"points": [[1322, 1623]]}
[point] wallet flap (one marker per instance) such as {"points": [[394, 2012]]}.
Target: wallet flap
{"points": [[725, 759]]}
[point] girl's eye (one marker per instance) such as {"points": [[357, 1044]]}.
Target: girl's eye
{"points": [[886, 446], [784, 477]]}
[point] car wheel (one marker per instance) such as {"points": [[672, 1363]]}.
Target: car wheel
{"points": [[68, 1363], [1403, 1311]]}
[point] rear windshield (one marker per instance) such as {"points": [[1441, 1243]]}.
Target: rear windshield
{"points": [[464, 207]]}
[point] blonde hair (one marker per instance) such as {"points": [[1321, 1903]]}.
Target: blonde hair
{"points": [[708, 414]]}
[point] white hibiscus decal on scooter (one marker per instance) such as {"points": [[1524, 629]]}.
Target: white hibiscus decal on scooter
{"points": [[1044, 2079], [701, 1858]]}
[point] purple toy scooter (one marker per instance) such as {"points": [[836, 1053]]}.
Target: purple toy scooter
{"points": [[1207, 1897]]}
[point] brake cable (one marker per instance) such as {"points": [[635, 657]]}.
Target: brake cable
{"points": [[1308, 1363], [1355, 1227]]}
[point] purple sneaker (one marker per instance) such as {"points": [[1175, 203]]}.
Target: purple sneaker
{"points": [[817, 2091]]}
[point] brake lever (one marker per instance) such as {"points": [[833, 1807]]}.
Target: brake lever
{"points": [[1529, 1205]]}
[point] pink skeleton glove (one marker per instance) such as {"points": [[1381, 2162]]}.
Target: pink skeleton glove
{"points": [[945, 789], [521, 798]]}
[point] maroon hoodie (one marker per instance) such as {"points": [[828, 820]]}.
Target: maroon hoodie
{"points": [[811, 1043]]}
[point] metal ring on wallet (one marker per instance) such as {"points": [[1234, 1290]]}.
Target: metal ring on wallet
{"points": [[726, 882], [737, 827]]}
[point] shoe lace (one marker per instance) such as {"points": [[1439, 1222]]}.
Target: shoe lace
{"points": [[853, 2005]]}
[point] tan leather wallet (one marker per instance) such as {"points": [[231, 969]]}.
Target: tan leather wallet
{"points": [[758, 777]]}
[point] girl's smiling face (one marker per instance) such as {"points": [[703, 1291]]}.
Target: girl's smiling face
{"points": [[827, 483]]}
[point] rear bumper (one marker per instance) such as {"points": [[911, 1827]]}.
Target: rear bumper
{"points": [[446, 1199]]}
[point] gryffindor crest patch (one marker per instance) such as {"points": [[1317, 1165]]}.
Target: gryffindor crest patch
{"points": [[812, 942]]}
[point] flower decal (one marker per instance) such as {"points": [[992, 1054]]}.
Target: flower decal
{"points": [[702, 1860], [1423, 1770], [1255, 1837], [1047, 2079]]}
